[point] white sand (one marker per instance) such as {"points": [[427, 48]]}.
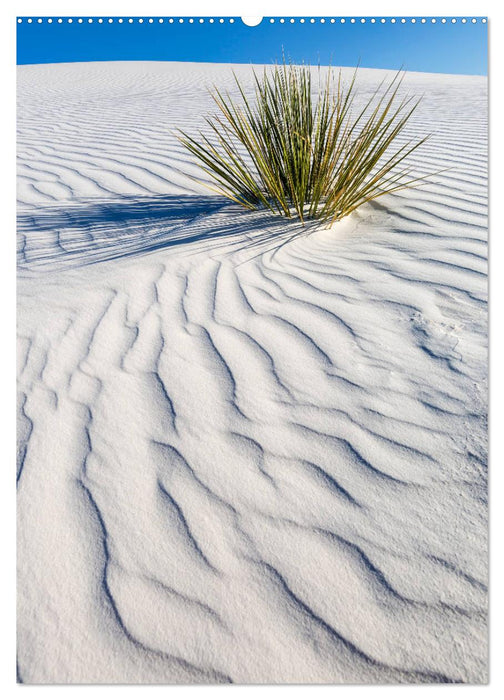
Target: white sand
{"points": [[239, 462]]}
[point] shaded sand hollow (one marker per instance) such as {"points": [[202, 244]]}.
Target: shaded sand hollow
{"points": [[244, 455]]}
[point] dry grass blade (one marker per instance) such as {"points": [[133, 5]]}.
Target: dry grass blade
{"points": [[302, 152]]}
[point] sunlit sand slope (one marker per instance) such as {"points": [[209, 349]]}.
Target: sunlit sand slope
{"points": [[247, 452]]}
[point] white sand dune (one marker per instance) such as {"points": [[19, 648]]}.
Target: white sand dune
{"points": [[244, 456]]}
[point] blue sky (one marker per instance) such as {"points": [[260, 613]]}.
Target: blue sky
{"points": [[442, 48]]}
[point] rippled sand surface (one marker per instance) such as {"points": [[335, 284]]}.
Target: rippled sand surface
{"points": [[247, 452]]}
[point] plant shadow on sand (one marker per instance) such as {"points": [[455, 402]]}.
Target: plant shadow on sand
{"points": [[76, 234]]}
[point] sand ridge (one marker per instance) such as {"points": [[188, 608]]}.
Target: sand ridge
{"points": [[247, 452]]}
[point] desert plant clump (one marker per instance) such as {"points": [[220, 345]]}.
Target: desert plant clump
{"points": [[306, 151]]}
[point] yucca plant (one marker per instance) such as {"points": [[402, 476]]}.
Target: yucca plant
{"points": [[305, 152]]}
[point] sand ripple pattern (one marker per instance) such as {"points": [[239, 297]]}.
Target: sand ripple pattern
{"points": [[247, 453]]}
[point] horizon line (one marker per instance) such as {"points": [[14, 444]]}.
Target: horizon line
{"points": [[245, 63]]}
